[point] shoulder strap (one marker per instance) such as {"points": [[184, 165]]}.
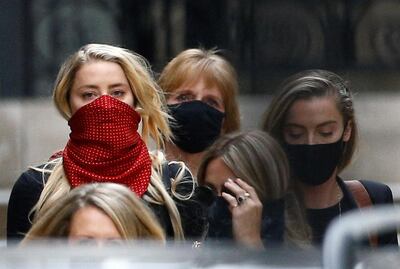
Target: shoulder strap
{"points": [[360, 194], [362, 199]]}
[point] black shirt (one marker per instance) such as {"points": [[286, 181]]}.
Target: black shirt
{"points": [[27, 189], [319, 219]]}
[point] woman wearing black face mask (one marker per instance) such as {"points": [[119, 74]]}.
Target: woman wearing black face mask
{"points": [[201, 89], [255, 204], [313, 117]]}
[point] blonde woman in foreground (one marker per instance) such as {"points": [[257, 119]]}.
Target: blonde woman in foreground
{"points": [[98, 213]]}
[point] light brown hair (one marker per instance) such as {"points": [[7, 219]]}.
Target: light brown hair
{"points": [[191, 64], [258, 159], [306, 85]]}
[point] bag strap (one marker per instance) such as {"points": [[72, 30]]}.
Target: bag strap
{"points": [[359, 192], [362, 199]]}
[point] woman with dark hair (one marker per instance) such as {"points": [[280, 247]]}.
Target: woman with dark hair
{"points": [[312, 116]]}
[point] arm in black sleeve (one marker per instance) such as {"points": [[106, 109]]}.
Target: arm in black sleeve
{"points": [[24, 195]]}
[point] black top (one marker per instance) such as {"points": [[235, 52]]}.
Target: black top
{"points": [[319, 219], [27, 189], [272, 222], [24, 196]]}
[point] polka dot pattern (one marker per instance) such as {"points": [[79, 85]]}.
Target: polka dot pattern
{"points": [[104, 146]]}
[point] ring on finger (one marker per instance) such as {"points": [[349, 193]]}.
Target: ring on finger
{"points": [[243, 198]]}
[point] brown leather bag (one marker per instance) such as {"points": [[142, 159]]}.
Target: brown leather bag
{"points": [[362, 198]]}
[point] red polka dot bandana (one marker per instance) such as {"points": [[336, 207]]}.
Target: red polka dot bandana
{"points": [[104, 146]]}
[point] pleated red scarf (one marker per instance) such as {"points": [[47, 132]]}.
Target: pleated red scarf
{"points": [[104, 146]]}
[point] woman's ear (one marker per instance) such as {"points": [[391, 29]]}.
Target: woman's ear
{"points": [[347, 131]]}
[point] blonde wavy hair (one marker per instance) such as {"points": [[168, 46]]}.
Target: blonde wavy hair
{"points": [[191, 64], [256, 158], [57, 186], [149, 100], [132, 218], [155, 125]]}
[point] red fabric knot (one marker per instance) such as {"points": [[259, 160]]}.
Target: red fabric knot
{"points": [[104, 146], [56, 155]]}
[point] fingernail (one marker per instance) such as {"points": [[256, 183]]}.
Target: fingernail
{"points": [[230, 180]]}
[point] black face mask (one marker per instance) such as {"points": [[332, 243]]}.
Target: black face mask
{"points": [[314, 164], [272, 224], [197, 125]]}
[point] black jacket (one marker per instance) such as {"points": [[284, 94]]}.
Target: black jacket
{"points": [[27, 189], [319, 219]]}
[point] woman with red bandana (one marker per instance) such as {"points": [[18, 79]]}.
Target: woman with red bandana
{"points": [[105, 92]]}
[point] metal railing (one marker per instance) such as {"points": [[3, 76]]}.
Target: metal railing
{"points": [[345, 233]]}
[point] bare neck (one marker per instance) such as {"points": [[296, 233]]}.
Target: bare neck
{"points": [[192, 160], [322, 196]]}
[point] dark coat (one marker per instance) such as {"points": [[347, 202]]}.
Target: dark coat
{"points": [[27, 189], [320, 219]]}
